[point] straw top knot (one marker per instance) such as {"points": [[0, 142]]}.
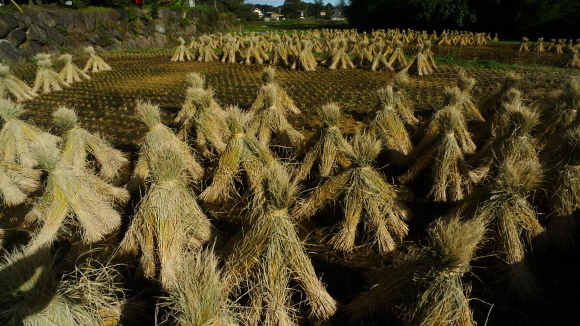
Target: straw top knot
{"points": [[149, 113], [66, 58], [452, 96], [385, 96], [330, 114], [195, 80], [9, 109], [202, 98], [167, 166], [42, 56], [90, 50], [268, 75], [365, 149], [465, 82], [181, 40], [279, 189], [45, 64], [65, 118], [46, 154], [237, 120], [4, 71]]}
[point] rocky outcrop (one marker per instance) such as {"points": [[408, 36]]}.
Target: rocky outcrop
{"points": [[27, 34]]}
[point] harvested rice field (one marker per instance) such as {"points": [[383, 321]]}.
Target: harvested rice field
{"points": [[210, 193]]}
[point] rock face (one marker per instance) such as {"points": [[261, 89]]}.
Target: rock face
{"points": [[32, 33]]}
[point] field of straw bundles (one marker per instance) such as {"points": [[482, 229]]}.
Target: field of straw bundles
{"points": [[297, 178]]}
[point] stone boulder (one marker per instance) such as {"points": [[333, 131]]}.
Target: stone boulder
{"points": [[31, 48], [142, 43], [48, 19], [9, 53], [8, 23], [26, 19], [16, 37], [159, 26], [157, 40], [54, 35], [37, 34]]}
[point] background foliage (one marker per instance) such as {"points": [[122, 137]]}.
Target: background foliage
{"points": [[509, 18]]}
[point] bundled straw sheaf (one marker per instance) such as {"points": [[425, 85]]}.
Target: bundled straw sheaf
{"points": [[72, 194], [330, 147], [566, 110], [158, 136], [16, 182], [269, 110], [429, 280], [203, 116], [443, 150], [95, 63], [77, 143], [17, 136], [511, 219], [33, 293], [11, 85], [181, 53], [70, 73], [168, 221], [563, 184], [364, 195], [243, 153], [200, 296], [47, 80], [388, 125], [267, 256]]}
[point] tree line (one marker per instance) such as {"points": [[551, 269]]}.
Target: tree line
{"points": [[509, 18]]}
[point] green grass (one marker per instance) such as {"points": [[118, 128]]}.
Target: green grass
{"points": [[291, 24], [91, 9]]}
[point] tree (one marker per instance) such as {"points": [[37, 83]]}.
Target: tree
{"points": [[290, 7], [317, 7]]}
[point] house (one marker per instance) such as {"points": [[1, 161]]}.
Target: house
{"points": [[258, 12], [300, 14], [323, 14], [337, 15], [272, 16]]}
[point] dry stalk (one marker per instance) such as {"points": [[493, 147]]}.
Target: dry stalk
{"points": [[95, 63], [71, 73], [47, 80], [181, 53], [10, 84]]}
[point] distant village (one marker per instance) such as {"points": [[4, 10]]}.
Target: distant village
{"points": [[334, 14]]}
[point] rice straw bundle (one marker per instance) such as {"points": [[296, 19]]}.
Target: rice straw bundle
{"points": [[494, 103], [388, 125], [73, 194], [202, 115], [465, 85], [443, 150], [401, 101], [539, 45], [17, 136], [270, 109], [10, 84], [195, 80], [95, 63], [397, 59], [231, 52], [423, 62], [168, 221], [77, 143], [243, 153], [566, 110], [512, 138], [305, 58], [363, 57], [329, 150], [33, 293], [511, 219], [199, 296], [429, 280], [364, 194], [573, 60], [379, 59], [524, 46], [279, 56], [254, 54], [338, 58], [563, 156], [205, 52], [47, 80], [70, 73], [267, 255], [181, 53], [453, 96], [159, 136], [16, 182]]}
